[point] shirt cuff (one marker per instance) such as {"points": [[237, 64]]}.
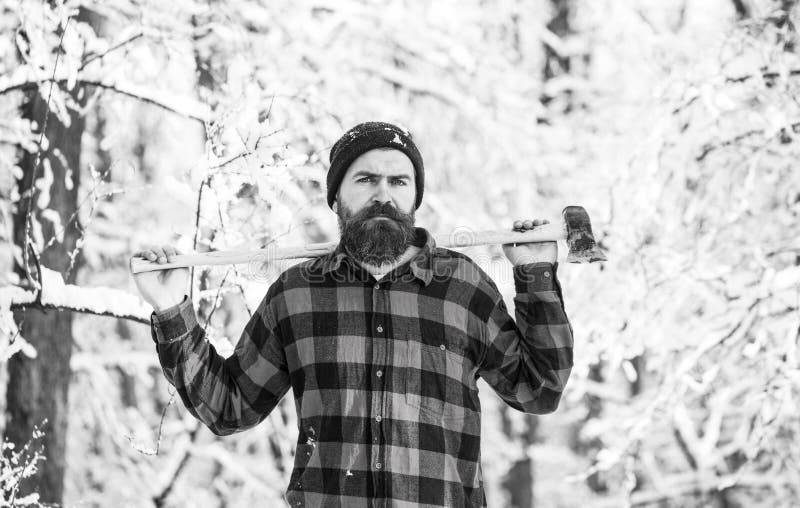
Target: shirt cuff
{"points": [[173, 322], [534, 277]]}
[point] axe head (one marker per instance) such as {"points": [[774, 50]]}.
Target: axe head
{"points": [[580, 240]]}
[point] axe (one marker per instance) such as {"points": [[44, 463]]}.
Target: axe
{"points": [[574, 228]]}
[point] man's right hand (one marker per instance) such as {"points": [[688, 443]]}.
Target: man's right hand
{"points": [[161, 288]]}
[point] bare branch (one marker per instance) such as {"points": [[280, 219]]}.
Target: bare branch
{"points": [[206, 181], [74, 216], [113, 48], [154, 451], [190, 108], [186, 453], [767, 75], [216, 299], [684, 433], [27, 239], [708, 148], [690, 484]]}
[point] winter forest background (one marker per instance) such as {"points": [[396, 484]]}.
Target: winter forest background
{"points": [[207, 124]]}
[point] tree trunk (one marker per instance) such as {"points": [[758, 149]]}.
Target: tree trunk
{"points": [[742, 9], [38, 388], [6, 271], [520, 480]]}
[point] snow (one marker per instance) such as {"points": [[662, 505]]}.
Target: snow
{"points": [[8, 327], [98, 300], [7, 350]]}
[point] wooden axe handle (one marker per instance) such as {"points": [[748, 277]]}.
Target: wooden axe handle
{"points": [[456, 239]]}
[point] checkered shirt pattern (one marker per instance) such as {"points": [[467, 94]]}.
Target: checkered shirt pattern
{"points": [[383, 372]]}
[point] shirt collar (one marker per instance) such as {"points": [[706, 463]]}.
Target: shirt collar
{"points": [[420, 264]]}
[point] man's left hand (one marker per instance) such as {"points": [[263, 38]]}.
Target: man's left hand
{"points": [[534, 252]]}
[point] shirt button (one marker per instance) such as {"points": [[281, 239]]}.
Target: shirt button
{"points": [[380, 328], [378, 418], [442, 347], [379, 373], [378, 465], [377, 286], [547, 274]]}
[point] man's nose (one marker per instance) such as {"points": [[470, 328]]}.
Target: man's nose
{"points": [[382, 194]]}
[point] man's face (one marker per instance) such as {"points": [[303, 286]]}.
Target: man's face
{"points": [[375, 205]]}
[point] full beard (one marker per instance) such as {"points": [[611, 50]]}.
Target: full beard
{"points": [[376, 241]]}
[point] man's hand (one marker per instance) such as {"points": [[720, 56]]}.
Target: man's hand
{"points": [[161, 288], [536, 252]]}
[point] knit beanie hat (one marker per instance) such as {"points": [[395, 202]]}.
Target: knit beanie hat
{"points": [[363, 138]]}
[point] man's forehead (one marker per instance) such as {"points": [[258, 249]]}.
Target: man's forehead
{"points": [[382, 162]]}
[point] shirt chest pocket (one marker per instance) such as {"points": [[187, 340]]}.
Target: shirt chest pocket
{"points": [[437, 383]]}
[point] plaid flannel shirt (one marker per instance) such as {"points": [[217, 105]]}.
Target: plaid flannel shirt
{"points": [[383, 372]]}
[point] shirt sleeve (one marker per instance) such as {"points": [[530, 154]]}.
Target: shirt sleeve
{"points": [[528, 362], [227, 395]]}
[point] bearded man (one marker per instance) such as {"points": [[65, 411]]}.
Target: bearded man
{"points": [[382, 342]]}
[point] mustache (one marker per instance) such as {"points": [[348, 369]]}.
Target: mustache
{"points": [[379, 210]]}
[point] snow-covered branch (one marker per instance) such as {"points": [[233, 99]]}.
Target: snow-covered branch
{"points": [[100, 301], [181, 105], [413, 84]]}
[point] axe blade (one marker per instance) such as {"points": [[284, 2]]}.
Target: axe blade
{"points": [[580, 240]]}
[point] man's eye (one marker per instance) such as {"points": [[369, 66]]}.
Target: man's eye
{"points": [[365, 178], [400, 181]]}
